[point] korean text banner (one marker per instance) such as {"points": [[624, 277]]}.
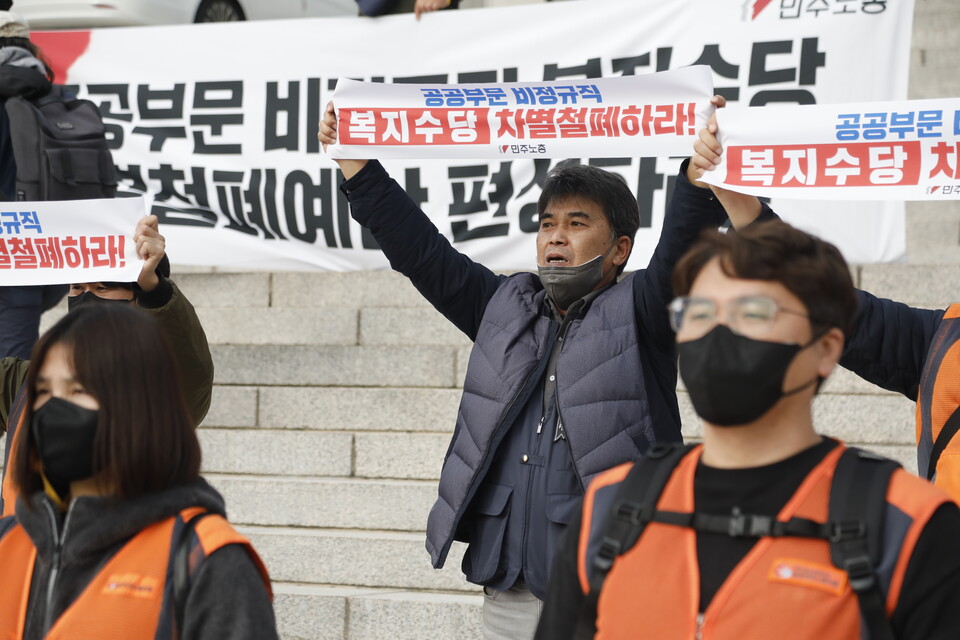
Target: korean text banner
{"points": [[656, 114], [906, 150], [221, 129], [74, 241]]}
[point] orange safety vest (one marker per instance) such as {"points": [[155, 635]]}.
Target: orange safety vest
{"points": [[130, 598], [16, 417], [784, 587], [938, 407]]}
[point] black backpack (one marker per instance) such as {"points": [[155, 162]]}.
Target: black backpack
{"points": [[60, 148], [853, 530]]}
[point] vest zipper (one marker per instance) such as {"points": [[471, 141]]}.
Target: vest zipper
{"points": [[698, 635], [494, 443], [556, 404], [55, 569]]}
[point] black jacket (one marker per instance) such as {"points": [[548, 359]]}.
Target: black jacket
{"points": [[227, 600]]}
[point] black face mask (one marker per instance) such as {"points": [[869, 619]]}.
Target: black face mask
{"points": [[734, 380], [89, 297], [64, 434]]}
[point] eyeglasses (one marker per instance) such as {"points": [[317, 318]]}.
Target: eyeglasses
{"points": [[751, 316]]}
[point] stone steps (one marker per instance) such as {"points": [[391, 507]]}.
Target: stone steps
{"points": [[404, 456], [327, 503], [355, 557], [334, 408], [307, 612]]}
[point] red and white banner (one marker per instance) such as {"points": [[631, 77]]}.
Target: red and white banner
{"points": [[218, 122], [906, 150], [656, 114], [64, 242]]}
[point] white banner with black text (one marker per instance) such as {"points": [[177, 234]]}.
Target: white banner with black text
{"points": [[218, 122]]}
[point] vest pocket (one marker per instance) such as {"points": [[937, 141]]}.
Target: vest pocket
{"points": [[560, 510], [561, 507], [488, 522]]}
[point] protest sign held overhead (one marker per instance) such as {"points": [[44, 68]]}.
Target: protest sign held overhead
{"points": [[655, 114], [71, 241], [907, 150]]}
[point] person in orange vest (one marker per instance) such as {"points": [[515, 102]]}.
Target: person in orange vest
{"points": [[767, 529], [911, 351], [116, 535]]}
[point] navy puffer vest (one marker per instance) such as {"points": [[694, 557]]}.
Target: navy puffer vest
{"points": [[600, 392]]}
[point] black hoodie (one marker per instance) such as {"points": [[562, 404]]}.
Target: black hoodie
{"points": [[15, 81], [227, 598]]}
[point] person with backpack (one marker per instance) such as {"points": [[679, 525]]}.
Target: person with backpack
{"points": [[24, 74], [767, 529], [116, 534]]}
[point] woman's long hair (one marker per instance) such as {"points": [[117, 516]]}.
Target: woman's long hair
{"points": [[145, 438]]}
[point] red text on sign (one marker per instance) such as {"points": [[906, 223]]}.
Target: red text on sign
{"points": [[58, 253], [826, 165], [385, 126]]}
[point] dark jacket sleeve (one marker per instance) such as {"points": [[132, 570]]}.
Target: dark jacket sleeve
{"points": [[190, 349], [561, 608], [455, 285], [228, 600], [889, 342], [690, 211], [929, 604], [13, 373]]}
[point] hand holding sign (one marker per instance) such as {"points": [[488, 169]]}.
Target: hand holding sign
{"points": [[150, 247], [904, 150], [328, 135], [706, 149], [78, 241]]}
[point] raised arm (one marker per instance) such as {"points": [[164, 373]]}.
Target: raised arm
{"points": [[889, 342], [160, 297], [742, 209], [13, 371], [455, 285], [693, 207]]}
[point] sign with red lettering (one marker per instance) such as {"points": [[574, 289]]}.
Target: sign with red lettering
{"points": [[907, 150], [74, 241], [651, 114]]}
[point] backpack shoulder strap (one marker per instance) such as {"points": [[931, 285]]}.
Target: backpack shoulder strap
{"points": [[627, 520], [858, 499], [202, 533], [946, 435], [182, 572]]}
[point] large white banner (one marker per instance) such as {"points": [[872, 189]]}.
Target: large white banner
{"points": [[655, 114], [219, 121], [64, 242], [906, 150]]}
